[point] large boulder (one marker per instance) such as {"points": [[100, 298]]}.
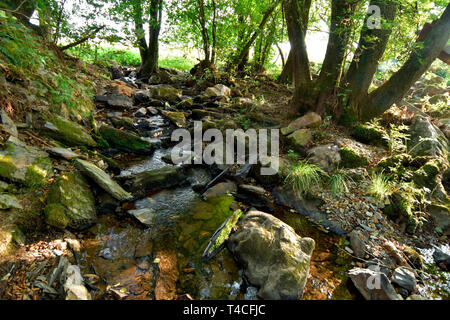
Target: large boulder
{"points": [[70, 203], [66, 131], [373, 285], [309, 120], [24, 164], [426, 139], [103, 180], [125, 140], [274, 257], [159, 179]]}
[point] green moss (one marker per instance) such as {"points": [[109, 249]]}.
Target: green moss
{"points": [[35, 176], [55, 216], [125, 140], [426, 176], [414, 257], [369, 135], [69, 132], [7, 167], [352, 159]]}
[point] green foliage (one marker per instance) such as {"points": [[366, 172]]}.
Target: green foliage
{"points": [[352, 159], [380, 186], [338, 182], [397, 138], [27, 58], [370, 133], [305, 177]]}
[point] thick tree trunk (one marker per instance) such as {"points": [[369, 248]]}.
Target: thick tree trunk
{"points": [[287, 75], [418, 63], [372, 45], [340, 30], [296, 31], [150, 52], [331, 72]]}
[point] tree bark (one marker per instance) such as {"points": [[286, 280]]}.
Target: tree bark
{"points": [[418, 63], [287, 75], [150, 52], [371, 47], [297, 31], [204, 30]]}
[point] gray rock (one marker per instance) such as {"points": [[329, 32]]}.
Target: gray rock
{"points": [[405, 278], [24, 164], [327, 156], [145, 216], [9, 124], [441, 215], [219, 90], [357, 243], [142, 112], [435, 145], [103, 180], [153, 111], [220, 189], [119, 101], [274, 257], [142, 96], [74, 284], [373, 285], [64, 153], [163, 178], [9, 202]]}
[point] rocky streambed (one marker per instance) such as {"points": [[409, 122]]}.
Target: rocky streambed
{"points": [[140, 231]]}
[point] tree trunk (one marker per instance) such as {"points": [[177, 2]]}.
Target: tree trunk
{"points": [[340, 30], [150, 54], [371, 47], [296, 31], [287, 75], [418, 63], [214, 33], [204, 30]]}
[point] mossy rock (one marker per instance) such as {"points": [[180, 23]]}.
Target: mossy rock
{"points": [[369, 135], [426, 176], [55, 216], [400, 205], [125, 140], [70, 203], [68, 132], [352, 159], [24, 164], [414, 257]]}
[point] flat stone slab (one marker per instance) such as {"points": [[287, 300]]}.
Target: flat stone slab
{"points": [[103, 180]]}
